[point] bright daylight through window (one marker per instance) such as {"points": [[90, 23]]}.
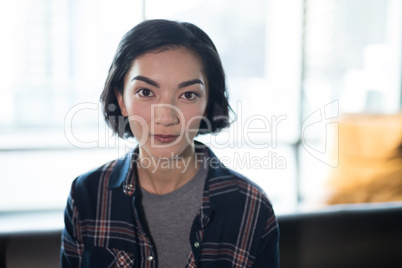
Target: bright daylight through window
{"points": [[283, 64]]}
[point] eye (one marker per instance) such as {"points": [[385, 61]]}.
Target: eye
{"points": [[189, 95], [144, 92]]}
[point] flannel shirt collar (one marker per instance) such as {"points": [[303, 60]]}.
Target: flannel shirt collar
{"points": [[124, 173], [218, 194]]}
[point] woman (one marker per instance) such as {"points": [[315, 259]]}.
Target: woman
{"points": [[170, 202]]}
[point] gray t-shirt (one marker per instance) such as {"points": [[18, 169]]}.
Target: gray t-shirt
{"points": [[170, 217]]}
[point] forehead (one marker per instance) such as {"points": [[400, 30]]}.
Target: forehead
{"points": [[174, 65], [178, 56]]}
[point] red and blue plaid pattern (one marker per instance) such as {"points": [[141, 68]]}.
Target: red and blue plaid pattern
{"points": [[104, 222]]}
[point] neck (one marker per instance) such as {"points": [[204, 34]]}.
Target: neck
{"points": [[164, 175]]}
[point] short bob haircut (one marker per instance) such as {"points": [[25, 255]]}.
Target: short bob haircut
{"points": [[154, 35]]}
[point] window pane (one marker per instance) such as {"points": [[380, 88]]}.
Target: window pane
{"points": [[60, 54], [55, 57], [354, 56], [352, 65], [57, 54]]}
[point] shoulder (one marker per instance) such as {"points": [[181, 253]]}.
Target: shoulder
{"points": [[88, 189], [248, 189], [256, 205], [112, 173], [93, 177], [235, 196], [230, 184], [243, 212], [230, 189]]}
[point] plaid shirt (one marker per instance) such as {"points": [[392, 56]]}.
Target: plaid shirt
{"points": [[104, 221]]}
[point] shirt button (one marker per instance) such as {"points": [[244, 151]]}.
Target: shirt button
{"points": [[150, 258], [196, 244]]}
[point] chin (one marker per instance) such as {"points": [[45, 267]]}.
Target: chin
{"points": [[167, 152]]}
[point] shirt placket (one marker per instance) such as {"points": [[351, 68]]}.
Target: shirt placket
{"points": [[147, 248], [197, 230]]}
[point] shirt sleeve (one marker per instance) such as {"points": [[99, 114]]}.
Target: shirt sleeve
{"points": [[72, 246], [268, 250]]}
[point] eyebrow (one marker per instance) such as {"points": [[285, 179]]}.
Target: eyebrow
{"points": [[146, 80], [190, 83], [155, 84]]}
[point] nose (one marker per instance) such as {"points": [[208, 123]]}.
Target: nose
{"points": [[166, 114]]}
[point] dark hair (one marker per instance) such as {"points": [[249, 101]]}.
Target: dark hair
{"points": [[152, 35]]}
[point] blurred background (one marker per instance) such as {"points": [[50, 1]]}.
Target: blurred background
{"points": [[315, 85]]}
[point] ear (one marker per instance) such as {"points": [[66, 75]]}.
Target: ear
{"points": [[120, 100]]}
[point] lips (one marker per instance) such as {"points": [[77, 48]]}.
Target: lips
{"points": [[165, 138]]}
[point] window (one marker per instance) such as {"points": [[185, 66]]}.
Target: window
{"points": [[284, 60], [352, 64], [55, 56]]}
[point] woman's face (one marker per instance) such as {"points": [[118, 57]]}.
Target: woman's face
{"points": [[165, 97]]}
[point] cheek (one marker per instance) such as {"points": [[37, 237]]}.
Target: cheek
{"points": [[193, 122], [193, 118], [139, 119], [138, 109]]}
